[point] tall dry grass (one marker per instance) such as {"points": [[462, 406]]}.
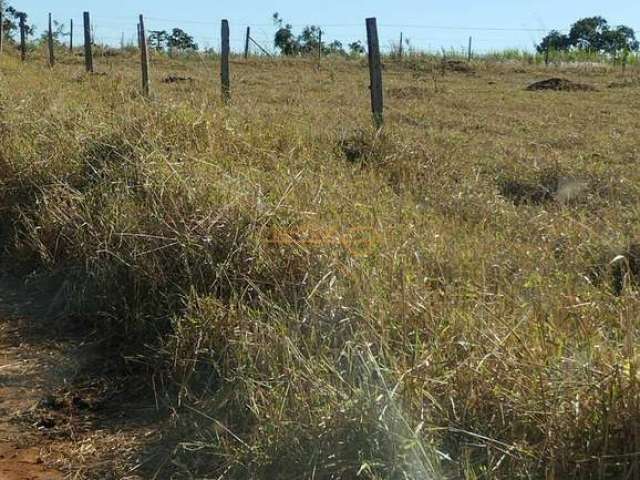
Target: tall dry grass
{"points": [[326, 301]]}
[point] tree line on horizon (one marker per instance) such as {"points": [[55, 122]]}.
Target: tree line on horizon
{"points": [[594, 35], [590, 34]]}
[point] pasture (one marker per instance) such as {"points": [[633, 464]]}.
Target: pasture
{"points": [[452, 296]]}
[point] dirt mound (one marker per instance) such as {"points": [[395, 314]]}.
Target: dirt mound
{"points": [[456, 66], [547, 188], [561, 85], [177, 79]]}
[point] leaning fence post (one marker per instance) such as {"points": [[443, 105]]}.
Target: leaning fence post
{"points": [[144, 57], [224, 62], [23, 38], [88, 52], [246, 43], [52, 59], [375, 72]]}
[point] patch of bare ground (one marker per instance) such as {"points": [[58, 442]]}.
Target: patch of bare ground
{"points": [[66, 410]]}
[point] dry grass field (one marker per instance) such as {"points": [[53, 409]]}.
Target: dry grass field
{"points": [[454, 296]]}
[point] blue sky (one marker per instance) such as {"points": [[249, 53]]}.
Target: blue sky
{"points": [[494, 24]]}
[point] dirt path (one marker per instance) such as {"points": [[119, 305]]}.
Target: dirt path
{"points": [[64, 413], [21, 451]]}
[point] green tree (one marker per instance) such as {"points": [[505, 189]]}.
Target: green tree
{"points": [[284, 39], [181, 40], [309, 39], [334, 48], [586, 34], [11, 20], [620, 39], [554, 41], [158, 39], [592, 34], [308, 42], [356, 49]]}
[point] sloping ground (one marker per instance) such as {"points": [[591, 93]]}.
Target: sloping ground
{"points": [[60, 416], [330, 303]]}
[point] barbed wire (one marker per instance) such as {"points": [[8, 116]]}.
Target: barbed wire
{"points": [[264, 33], [342, 25]]}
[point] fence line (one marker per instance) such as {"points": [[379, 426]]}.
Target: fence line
{"points": [[117, 21], [420, 43], [373, 51]]}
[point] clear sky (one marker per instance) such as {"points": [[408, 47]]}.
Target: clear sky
{"points": [[428, 24]]}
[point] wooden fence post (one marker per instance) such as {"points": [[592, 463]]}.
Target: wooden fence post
{"points": [[144, 57], [23, 38], [319, 44], [88, 51], [470, 52], [71, 37], [1, 29], [52, 60], [375, 72], [224, 62], [246, 43], [401, 46]]}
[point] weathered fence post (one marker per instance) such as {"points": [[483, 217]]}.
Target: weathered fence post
{"points": [[375, 72], [319, 44], [1, 29], [23, 38], [400, 47], [88, 52], [246, 43], [52, 60], [71, 36], [224, 62], [144, 57], [470, 52]]}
